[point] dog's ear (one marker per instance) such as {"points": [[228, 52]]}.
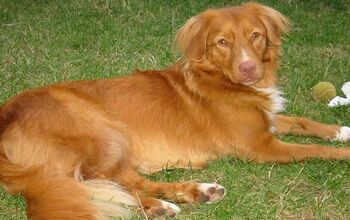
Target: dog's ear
{"points": [[275, 23], [191, 38]]}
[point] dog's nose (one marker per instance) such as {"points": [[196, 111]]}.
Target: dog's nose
{"points": [[247, 67]]}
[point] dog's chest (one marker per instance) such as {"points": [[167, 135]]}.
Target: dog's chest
{"points": [[276, 105]]}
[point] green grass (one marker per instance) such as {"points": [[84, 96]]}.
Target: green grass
{"points": [[43, 42]]}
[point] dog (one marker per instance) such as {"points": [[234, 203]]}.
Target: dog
{"points": [[65, 143]]}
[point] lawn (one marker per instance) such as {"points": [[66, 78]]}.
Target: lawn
{"points": [[43, 42]]}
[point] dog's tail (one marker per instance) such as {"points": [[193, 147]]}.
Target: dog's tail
{"points": [[51, 194], [61, 197]]}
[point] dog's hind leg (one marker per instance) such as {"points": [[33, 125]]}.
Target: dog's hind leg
{"points": [[149, 192]]}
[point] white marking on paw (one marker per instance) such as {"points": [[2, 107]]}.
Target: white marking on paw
{"points": [[343, 134], [168, 205], [216, 196]]}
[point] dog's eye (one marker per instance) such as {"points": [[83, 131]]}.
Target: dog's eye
{"points": [[223, 42], [255, 35]]}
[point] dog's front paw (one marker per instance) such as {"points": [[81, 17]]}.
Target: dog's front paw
{"points": [[343, 134]]}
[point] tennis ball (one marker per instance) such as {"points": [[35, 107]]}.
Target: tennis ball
{"points": [[324, 91]]}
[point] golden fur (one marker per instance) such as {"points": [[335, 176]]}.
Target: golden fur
{"points": [[220, 99]]}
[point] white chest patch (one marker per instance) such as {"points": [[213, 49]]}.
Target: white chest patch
{"points": [[277, 103]]}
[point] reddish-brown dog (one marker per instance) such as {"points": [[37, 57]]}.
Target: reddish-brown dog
{"points": [[220, 99]]}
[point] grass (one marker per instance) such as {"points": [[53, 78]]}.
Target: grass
{"points": [[43, 42]]}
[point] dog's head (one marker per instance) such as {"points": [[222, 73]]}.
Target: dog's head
{"points": [[238, 41]]}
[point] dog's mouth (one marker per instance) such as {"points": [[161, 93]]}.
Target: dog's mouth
{"points": [[248, 80]]}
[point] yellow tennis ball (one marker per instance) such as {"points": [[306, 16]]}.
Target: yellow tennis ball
{"points": [[324, 91]]}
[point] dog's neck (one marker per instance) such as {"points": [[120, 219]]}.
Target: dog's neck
{"points": [[210, 83], [271, 61], [202, 77], [270, 79]]}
